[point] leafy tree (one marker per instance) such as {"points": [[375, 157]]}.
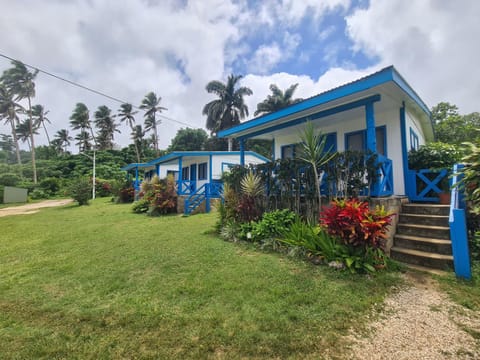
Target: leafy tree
{"points": [[40, 118], [9, 110], [126, 114], [188, 140], [229, 108], [151, 105], [21, 82], [452, 127], [277, 100], [80, 120], [105, 122]]}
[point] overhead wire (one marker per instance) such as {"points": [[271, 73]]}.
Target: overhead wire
{"points": [[89, 89]]}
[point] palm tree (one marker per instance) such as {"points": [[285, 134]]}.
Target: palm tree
{"points": [[105, 122], [80, 120], [138, 135], [83, 141], [151, 105], [229, 108], [9, 110], [40, 118], [21, 82], [63, 138], [277, 100], [126, 114], [23, 132]]}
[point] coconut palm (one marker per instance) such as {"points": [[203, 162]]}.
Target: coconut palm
{"points": [[23, 132], [9, 110], [40, 118], [277, 100], [83, 141], [80, 120], [105, 122], [151, 105], [126, 115], [229, 108], [21, 82], [63, 139]]}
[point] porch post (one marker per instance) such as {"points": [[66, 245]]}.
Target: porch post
{"points": [[157, 169], [242, 152], [371, 136], [403, 137], [180, 176]]}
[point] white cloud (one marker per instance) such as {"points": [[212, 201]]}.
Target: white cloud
{"points": [[432, 43]]}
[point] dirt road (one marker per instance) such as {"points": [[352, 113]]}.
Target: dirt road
{"points": [[33, 208]]}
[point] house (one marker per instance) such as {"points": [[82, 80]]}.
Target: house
{"points": [[198, 173], [380, 113]]}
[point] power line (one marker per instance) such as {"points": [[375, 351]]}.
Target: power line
{"points": [[89, 89]]}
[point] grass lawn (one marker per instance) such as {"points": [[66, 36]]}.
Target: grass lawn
{"points": [[98, 282]]}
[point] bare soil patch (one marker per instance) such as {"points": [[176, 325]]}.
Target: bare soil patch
{"points": [[33, 208]]}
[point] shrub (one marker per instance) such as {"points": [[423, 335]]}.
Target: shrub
{"points": [[355, 224], [248, 208], [272, 224], [434, 156], [141, 206], [50, 186], [9, 179], [103, 188], [126, 194], [38, 194], [80, 190]]}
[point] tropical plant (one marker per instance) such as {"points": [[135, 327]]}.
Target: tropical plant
{"points": [[277, 100], [23, 132], [9, 110], [83, 141], [20, 81], [40, 118], [188, 140], [314, 153], [80, 120], [434, 156], [105, 122], [126, 115], [248, 208], [229, 108], [151, 105], [80, 190], [355, 224], [272, 224], [63, 138]]}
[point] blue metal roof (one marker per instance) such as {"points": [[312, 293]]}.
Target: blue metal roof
{"points": [[133, 166], [388, 74]]}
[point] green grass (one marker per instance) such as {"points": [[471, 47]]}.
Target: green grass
{"points": [[98, 282], [464, 292]]}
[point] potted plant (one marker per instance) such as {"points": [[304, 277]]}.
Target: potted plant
{"points": [[444, 195]]}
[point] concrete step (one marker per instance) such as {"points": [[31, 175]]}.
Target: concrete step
{"points": [[439, 246], [426, 269], [422, 258], [427, 209], [428, 231], [422, 219]]}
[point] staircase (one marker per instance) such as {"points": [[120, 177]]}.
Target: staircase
{"points": [[422, 239], [194, 200]]}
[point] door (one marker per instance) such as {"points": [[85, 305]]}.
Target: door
{"points": [[193, 177]]}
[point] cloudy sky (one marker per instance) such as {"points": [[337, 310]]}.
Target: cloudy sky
{"points": [[127, 48]]}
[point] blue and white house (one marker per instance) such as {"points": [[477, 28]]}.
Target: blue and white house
{"points": [[198, 173], [380, 113]]}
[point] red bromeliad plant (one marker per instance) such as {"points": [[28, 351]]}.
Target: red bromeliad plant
{"points": [[355, 224]]}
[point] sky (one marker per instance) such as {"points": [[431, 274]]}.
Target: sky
{"points": [[127, 48]]}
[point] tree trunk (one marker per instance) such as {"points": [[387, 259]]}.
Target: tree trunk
{"points": [[156, 135], [46, 133], [15, 140], [32, 142]]}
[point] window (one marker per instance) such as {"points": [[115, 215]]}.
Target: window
{"points": [[331, 143], [413, 140], [185, 173], [356, 141], [288, 151], [202, 171]]}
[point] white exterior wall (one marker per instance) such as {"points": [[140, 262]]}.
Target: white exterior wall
{"points": [[220, 163], [390, 119], [165, 168]]}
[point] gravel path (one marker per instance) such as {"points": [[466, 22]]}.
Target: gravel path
{"points": [[33, 208], [420, 322]]}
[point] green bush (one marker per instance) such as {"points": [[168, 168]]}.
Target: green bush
{"points": [[80, 190], [9, 179], [141, 206], [272, 224], [38, 194], [434, 156], [1, 194], [50, 186]]}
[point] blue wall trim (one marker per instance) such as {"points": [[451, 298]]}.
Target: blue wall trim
{"points": [[210, 167], [370, 134], [319, 115], [178, 154]]}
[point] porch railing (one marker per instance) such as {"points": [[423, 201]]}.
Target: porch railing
{"points": [[458, 229], [425, 185], [384, 184], [186, 187]]}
